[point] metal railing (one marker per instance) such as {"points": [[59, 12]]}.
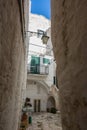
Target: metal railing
{"points": [[38, 69]]}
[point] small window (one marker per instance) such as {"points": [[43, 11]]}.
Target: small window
{"points": [[54, 80], [46, 61]]}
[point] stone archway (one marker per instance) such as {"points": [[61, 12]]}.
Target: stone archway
{"points": [[51, 103]]}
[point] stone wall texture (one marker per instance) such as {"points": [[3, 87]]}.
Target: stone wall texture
{"points": [[12, 64], [69, 37]]}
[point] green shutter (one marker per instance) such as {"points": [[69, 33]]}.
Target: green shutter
{"points": [[35, 65], [46, 61]]}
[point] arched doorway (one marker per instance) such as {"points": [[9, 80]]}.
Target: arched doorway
{"points": [[38, 93], [51, 103]]}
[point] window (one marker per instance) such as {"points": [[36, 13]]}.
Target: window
{"points": [[46, 61], [35, 65], [54, 80]]}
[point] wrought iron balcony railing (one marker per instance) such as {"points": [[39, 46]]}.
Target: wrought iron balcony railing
{"points": [[38, 69]]}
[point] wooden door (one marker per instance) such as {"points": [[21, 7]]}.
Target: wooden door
{"points": [[35, 105], [39, 105]]}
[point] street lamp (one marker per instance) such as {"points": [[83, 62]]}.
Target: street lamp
{"points": [[42, 33], [44, 39]]}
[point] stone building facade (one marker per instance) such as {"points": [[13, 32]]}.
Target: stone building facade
{"points": [[41, 67]]}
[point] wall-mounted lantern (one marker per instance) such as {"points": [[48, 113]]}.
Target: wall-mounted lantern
{"points": [[41, 33]]}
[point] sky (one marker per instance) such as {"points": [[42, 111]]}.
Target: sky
{"points": [[41, 7]]}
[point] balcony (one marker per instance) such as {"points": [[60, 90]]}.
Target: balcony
{"points": [[38, 69]]}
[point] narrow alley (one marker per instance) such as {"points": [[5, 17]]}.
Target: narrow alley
{"points": [[43, 65], [45, 121]]}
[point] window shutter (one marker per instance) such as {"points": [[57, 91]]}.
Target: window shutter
{"points": [[46, 61], [35, 64]]}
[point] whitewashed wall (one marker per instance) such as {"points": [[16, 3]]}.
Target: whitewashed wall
{"points": [[36, 91]]}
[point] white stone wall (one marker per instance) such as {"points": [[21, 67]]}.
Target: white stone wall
{"points": [[37, 91], [37, 22], [38, 49], [49, 49]]}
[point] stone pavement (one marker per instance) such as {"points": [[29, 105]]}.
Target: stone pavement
{"points": [[45, 121]]}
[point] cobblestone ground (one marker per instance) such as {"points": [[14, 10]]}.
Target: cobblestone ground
{"points": [[45, 121]]}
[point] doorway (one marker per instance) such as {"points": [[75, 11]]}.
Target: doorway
{"points": [[37, 105], [51, 103]]}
